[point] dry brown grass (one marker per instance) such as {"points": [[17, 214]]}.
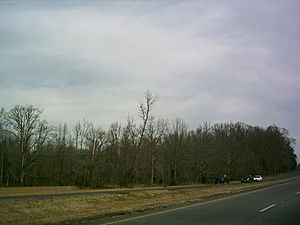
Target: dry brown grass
{"points": [[56, 210]]}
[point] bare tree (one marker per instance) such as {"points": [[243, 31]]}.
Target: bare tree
{"points": [[179, 133], [77, 130], [144, 113], [156, 129], [95, 138], [31, 133], [114, 139], [61, 145], [81, 131], [136, 136]]}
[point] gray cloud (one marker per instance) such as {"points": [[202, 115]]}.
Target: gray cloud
{"points": [[208, 61]]}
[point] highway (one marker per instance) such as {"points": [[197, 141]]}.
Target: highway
{"points": [[277, 205]]}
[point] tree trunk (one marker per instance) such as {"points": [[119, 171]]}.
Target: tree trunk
{"points": [[22, 175], [2, 166], [7, 180], [152, 168]]}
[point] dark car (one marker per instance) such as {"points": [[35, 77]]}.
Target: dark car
{"points": [[222, 179], [247, 179]]}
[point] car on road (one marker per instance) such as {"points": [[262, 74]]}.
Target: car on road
{"points": [[247, 179], [222, 179], [257, 178]]}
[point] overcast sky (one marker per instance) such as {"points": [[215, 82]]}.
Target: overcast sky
{"points": [[215, 61]]}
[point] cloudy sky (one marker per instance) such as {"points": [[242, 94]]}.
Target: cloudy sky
{"points": [[217, 61]]}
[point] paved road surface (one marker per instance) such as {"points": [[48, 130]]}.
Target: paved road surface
{"points": [[278, 205]]}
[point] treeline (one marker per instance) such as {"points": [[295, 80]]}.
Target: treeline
{"points": [[152, 151]]}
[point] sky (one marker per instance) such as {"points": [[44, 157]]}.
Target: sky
{"points": [[214, 61]]}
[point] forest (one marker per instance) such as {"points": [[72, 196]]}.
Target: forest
{"points": [[150, 151]]}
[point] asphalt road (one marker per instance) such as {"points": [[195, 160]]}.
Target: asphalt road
{"points": [[277, 205]]}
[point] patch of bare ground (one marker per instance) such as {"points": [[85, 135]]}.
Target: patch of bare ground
{"points": [[63, 209]]}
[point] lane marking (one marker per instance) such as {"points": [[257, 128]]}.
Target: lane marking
{"points": [[298, 193], [267, 208]]}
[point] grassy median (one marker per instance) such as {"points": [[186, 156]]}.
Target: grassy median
{"points": [[68, 209]]}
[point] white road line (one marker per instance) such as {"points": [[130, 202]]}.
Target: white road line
{"points": [[267, 208], [298, 193]]}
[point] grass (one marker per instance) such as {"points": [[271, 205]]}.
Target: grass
{"points": [[59, 210]]}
